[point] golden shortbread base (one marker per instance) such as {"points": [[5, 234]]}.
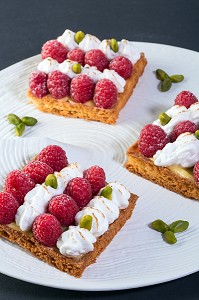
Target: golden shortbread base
{"points": [[144, 167], [52, 256]]}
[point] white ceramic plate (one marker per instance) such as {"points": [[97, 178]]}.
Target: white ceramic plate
{"points": [[137, 256]]}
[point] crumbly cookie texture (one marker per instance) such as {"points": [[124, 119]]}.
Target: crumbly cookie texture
{"points": [[68, 108], [165, 176], [51, 255]]}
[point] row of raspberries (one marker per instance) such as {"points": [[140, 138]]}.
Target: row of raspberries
{"points": [[153, 137], [95, 57], [81, 88], [62, 208]]}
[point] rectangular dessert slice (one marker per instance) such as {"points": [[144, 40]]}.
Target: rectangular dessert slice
{"points": [[51, 255], [167, 152], [68, 108]]}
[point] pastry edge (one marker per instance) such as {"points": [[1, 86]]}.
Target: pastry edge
{"points": [[163, 176], [55, 258]]}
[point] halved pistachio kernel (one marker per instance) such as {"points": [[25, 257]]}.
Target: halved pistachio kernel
{"points": [[19, 129], [86, 222], [77, 68], [164, 118], [79, 35], [107, 192], [14, 119], [165, 85], [179, 226], [51, 180], [197, 134], [176, 78], [170, 237], [114, 45], [161, 75], [29, 121], [159, 225]]}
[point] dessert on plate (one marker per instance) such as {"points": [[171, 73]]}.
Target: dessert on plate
{"points": [[60, 214], [82, 77], [167, 151]]}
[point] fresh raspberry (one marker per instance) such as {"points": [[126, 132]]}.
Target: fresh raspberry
{"points": [[186, 99], [18, 183], [82, 88], [196, 172], [38, 84], [182, 127], [8, 208], [105, 94], [122, 66], [58, 84], [76, 55], [54, 156], [38, 171], [97, 59], [64, 208], [152, 138], [55, 50], [80, 190], [96, 176], [46, 229]]}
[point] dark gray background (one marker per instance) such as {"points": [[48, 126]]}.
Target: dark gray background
{"points": [[25, 25]]}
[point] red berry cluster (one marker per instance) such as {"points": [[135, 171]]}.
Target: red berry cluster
{"points": [[62, 208], [94, 57], [81, 88], [153, 137]]}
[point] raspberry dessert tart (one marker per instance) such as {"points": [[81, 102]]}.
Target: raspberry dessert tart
{"points": [[82, 77], [167, 151], [61, 214]]}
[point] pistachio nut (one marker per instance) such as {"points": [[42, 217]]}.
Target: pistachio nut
{"points": [[51, 180], [76, 68], [159, 225], [14, 119], [107, 192], [176, 78], [164, 118], [79, 35], [169, 237], [19, 129], [179, 226], [86, 222], [29, 121], [114, 45]]}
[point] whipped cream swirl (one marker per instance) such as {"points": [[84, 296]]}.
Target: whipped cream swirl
{"points": [[184, 152], [66, 67], [115, 78], [48, 65], [36, 200], [68, 39], [106, 206], [89, 42], [120, 195], [76, 241], [104, 46], [179, 114], [126, 49], [92, 72], [99, 220]]}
